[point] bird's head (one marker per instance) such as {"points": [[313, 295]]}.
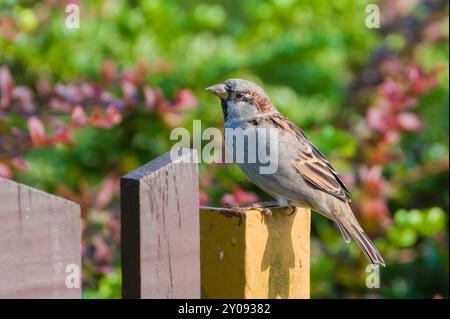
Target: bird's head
{"points": [[242, 99]]}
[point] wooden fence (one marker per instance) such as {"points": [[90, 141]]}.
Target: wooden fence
{"points": [[40, 244], [171, 248]]}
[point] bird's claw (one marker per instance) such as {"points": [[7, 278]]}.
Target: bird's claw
{"points": [[255, 206], [238, 210], [262, 209], [291, 210]]}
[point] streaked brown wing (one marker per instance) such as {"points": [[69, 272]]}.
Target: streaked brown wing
{"points": [[313, 166]]}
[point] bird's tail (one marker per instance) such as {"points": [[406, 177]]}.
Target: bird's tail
{"points": [[366, 245], [349, 226]]}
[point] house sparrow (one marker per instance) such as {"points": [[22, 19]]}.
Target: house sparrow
{"points": [[303, 177]]}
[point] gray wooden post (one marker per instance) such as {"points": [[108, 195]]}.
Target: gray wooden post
{"points": [[40, 244], [160, 235]]}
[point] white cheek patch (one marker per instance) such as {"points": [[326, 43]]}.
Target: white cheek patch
{"points": [[242, 110]]}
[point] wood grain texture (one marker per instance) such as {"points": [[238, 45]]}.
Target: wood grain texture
{"points": [[40, 235], [252, 255], [160, 229]]}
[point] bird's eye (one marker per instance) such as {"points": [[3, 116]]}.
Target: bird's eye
{"points": [[239, 95]]}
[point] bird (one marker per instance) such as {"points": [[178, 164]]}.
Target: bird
{"points": [[304, 177]]}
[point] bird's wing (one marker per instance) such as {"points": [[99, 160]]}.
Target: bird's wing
{"points": [[311, 164]]}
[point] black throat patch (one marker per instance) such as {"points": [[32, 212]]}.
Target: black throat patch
{"points": [[223, 103]]}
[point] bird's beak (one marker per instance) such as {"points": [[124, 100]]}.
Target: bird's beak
{"points": [[219, 90]]}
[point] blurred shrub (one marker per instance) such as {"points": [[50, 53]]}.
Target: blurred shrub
{"points": [[81, 107]]}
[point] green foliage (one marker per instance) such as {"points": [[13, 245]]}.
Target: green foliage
{"points": [[309, 56], [109, 287], [411, 224]]}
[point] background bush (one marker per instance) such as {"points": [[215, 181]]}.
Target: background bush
{"points": [[81, 107]]}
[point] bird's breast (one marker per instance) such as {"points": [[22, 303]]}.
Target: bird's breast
{"points": [[266, 157]]}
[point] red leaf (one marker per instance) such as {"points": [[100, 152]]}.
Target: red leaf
{"points": [[375, 210], [228, 200], [59, 105], [24, 97], [43, 87], [8, 27], [377, 119], [37, 131], [102, 249], [420, 82], [111, 118], [129, 92], [152, 97], [391, 137], [113, 115], [390, 90], [373, 180], [97, 119], [140, 71], [203, 198], [5, 171], [185, 99], [62, 136], [395, 94], [108, 189], [87, 91], [79, 116], [239, 197], [348, 179], [19, 164], [6, 87], [409, 121], [244, 197], [109, 70]]}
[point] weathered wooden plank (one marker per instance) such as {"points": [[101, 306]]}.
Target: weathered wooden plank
{"points": [[160, 229], [252, 255], [40, 238]]}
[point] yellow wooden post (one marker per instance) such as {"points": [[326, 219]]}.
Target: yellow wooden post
{"points": [[253, 255]]}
